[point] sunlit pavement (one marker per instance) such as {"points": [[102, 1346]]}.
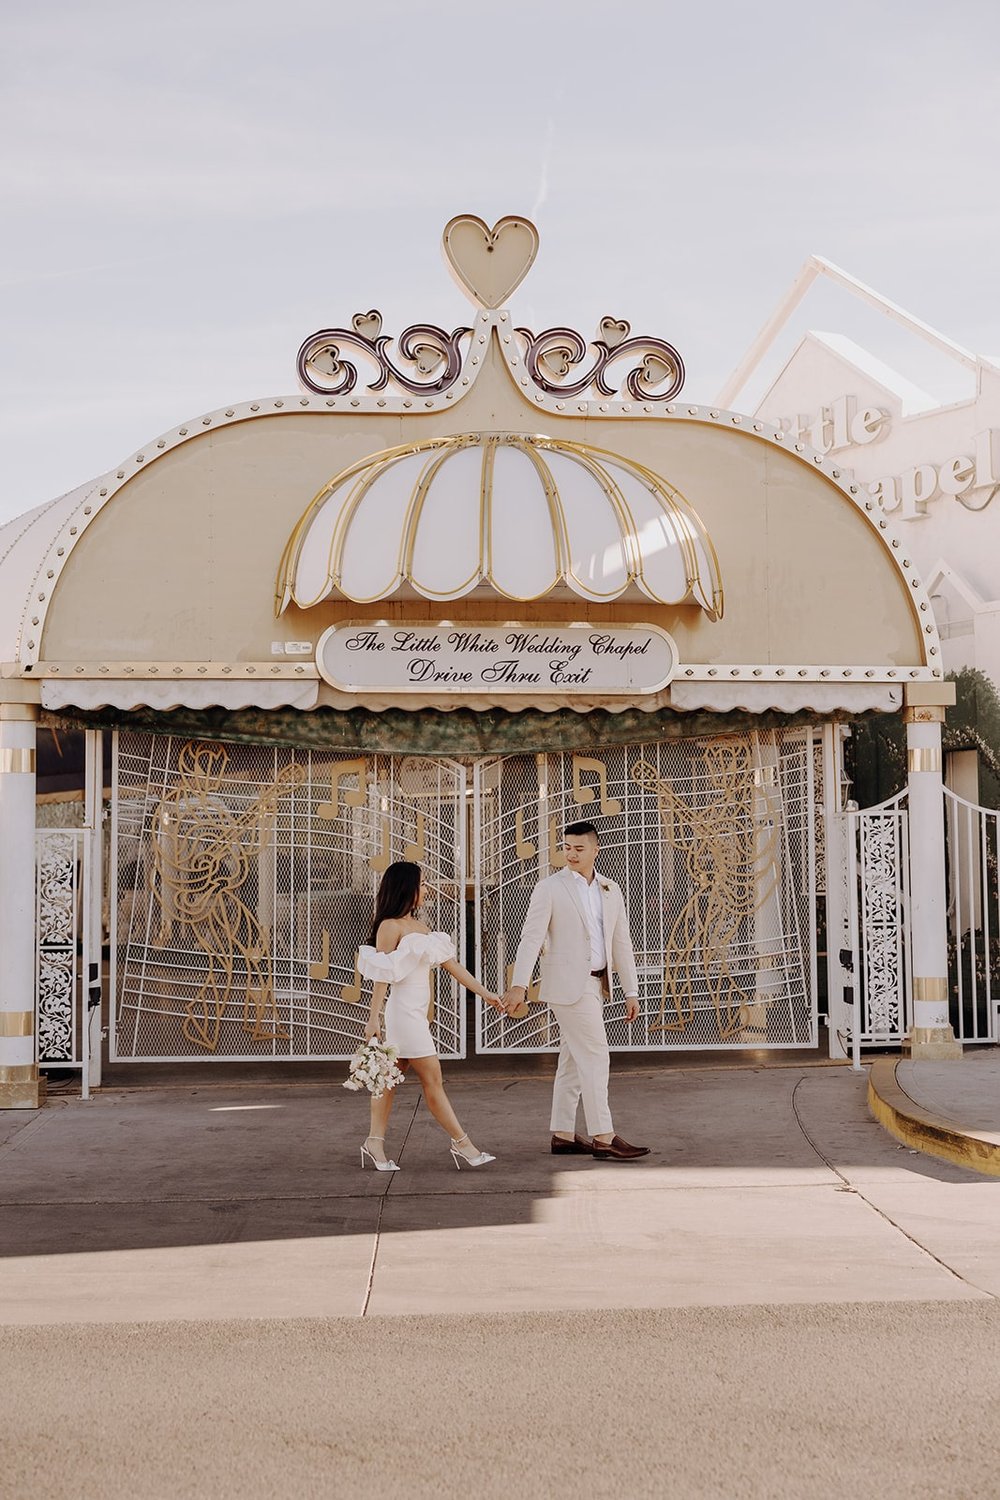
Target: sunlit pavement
{"points": [[239, 1288]]}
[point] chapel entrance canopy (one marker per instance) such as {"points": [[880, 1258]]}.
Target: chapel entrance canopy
{"points": [[490, 473]]}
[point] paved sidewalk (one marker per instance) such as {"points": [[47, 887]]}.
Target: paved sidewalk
{"points": [[771, 1185], [203, 1294]]}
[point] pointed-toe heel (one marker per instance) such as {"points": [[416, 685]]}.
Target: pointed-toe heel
{"points": [[380, 1166], [460, 1159]]}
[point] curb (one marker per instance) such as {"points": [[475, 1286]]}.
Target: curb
{"points": [[893, 1108]]}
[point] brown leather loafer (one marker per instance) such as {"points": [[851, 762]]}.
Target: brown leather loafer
{"points": [[617, 1150], [578, 1146]]}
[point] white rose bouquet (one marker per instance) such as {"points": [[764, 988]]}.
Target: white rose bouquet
{"points": [[373, 1067]]}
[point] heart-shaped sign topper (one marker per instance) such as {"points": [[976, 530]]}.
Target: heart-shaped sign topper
{"points": [[489, 264]]}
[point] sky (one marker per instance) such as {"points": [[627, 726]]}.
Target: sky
{"points": [[192, 188]]}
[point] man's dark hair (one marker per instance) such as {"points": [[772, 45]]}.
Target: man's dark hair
{"points": [[576, 829]]}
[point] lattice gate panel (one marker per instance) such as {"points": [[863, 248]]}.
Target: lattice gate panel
{"points": [[245, 878], [879, 919], [58, 927], [712, 842]]}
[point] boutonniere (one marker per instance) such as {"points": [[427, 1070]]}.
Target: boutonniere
{"points": [[605, 887]]}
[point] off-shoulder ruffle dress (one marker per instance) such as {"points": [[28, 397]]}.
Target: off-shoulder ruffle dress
{"points": [[406, 970]]}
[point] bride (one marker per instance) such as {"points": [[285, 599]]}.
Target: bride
{"points": [[399, 957]]}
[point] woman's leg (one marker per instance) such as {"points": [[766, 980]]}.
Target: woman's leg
{"points": [[428, 1070], [381, 1109]]}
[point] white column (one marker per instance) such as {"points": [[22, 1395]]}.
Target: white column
{"points": [[768, 941], [20, 1085], [932, 1035], [93, 859]]}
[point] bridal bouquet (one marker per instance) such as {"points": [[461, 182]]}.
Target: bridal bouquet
{"points": [[373, 1067]]}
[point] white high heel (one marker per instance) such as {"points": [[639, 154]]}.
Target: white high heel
{"points": [[470, 1161], [380, 1166]]}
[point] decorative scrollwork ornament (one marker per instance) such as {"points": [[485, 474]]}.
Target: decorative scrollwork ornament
{"points": [[656, 370], [432, 355]]}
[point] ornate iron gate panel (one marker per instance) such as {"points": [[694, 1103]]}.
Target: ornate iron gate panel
{"points": [[59, 855], [713, 844], [244, 880], [878, 890]]}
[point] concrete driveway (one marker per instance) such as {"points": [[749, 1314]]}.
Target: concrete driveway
{"points": [[204, 1294]]}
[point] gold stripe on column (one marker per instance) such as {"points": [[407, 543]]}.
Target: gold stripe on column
{"points": [[920, 713], [22, 1073], [17, 1022], [924, 758], [930, 989], [13, 758]]}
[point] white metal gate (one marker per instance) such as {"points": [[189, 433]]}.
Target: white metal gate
{"points": [[713, 844], [59, 869], [973, 842], [878, 929], [877, 921], [68, 932], [243, 879]]}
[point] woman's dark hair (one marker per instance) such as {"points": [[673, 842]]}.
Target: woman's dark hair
{"points": [[397, 894]]}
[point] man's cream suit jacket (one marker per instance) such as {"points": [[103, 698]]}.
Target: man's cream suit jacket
{"points": [[556, 926]]}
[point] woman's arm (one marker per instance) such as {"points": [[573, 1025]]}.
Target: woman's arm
{"points": [[374, 1026], [386, 940], [470, 982]]}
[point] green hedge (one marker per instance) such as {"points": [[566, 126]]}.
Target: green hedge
{"points": [[876, 752]]}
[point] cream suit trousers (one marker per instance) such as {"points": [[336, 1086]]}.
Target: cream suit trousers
{"points": [[584, 1062]]}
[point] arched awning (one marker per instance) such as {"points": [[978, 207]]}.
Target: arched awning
{"points": [[517, 515]]}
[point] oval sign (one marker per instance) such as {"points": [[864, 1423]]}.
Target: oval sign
{"points": [[625, 661]]}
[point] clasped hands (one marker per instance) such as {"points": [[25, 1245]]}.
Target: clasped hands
{"points": [[513, 999], [508, 1004]]}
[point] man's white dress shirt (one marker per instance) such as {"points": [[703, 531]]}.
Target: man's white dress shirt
{"points": [[595, 920]]}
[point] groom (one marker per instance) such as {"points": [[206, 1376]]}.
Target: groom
{"points": [[577, 920]]}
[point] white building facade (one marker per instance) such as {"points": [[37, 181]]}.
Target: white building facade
{"points": [[932, 467]]}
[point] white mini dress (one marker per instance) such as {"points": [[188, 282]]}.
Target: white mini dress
{"points": [[407, 971]]}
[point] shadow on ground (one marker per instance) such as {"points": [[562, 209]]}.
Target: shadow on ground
{"points": [[216, 1162]]}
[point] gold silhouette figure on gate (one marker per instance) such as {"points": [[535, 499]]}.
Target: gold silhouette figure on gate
{"points": [[201, 860], [731, 849]]}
